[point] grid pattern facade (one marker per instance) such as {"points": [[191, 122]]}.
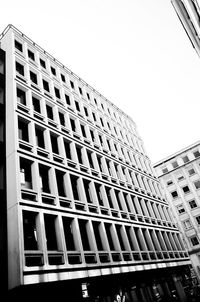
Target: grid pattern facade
{"points": [[180, 176], [82, 194]]}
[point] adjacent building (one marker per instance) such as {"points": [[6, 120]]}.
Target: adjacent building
{"points": [[180, 176], [188, 12], [82, 211]]}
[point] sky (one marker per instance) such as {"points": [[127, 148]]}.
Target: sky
{"points": [[134, 52]]}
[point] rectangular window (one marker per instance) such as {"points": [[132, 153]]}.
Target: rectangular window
{"points": [[197, 184], [186, 189], [99, 195], [49, 112], [43, 63], [174, 194], [45, 85], [80, 90], [53, 71], [120, 236], [180, 209], [54, 143], [72, 84], [83, 227], [25, 173], [191, 172], [196, 154], [69, 233], [83, 130], [86, 111], [30, 230], [62, 118], [89, 154], [77, 106], [88, 96], [97, 233], [92, 135], [175, 164], [185, 159], [187, 224], [108, 227], [60, 183], [36, 104], [67, 99], [21, 96], [31, 55], [86, 184], [23, 130], [75, 188], [19, 68], [193, 204], [50, 230], [73, 124], [109, 197], [57, 92], [117, 194], [44, 178], [63, 78], [67, 146], [39, 133], [198, 219], [79, 154], [18, 46], [194, 240], [33, 77]]}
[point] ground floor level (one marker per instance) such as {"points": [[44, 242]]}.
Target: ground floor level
{"points": [[167, 284]]}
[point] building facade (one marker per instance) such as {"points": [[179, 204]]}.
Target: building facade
{"points": [[188, 12], [180, 177], [82, 208]]}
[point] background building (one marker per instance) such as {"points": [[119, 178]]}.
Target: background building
{"points": [[180, 177], [84, 211], [188, 12]]}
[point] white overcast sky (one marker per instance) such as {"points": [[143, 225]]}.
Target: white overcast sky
{"points": [[134, 52]]}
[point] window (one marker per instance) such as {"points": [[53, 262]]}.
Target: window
{"points": [[44, 178], [187, 224], [80, 90], [169, 182], [68, 226], [92, 135], [88, 96], [196, 154], [198, 219], [165, 170], [174, 194], [31, 55], [30, 230], [109, 196], [89, 154], [53, 71], [21, 96], [197, 184], [73, 124], [19, 68], [67, 146], [194, 240], [79, 154], [63, 78], [50, 230], [192, 204], [86, 111], [185, 159], [181, 177], [62, 118], [23, 130], [175, 164], [18, 46], [186, 189], [83, 130], [97, 233], [83, 227], [33, 77], [99, 195], [49, 112], [45, 85], [39, 135], [67, 98], [86, 184], [57, 92], [60, 183], [181, 209], [43, 63], [109, 234], [25, 173], [54, 143], [72, 84], [77, 105], [75, 188], [191, 171], [36, 104]]}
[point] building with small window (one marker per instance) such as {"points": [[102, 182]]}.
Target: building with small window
{"points": [[83, 215], [188, 12], [182, 187]]}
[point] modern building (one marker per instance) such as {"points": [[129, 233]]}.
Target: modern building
{"points": [[180, 176], [188, 12], [82, 211]]}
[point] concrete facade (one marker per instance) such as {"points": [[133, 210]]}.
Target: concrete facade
{"points": [[83, 203], [180, 176]]}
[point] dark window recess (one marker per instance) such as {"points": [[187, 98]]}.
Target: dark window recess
{"points": [[128, 233], [45, 85], [92, 135], [77, 105], [84, 234], [73, 124], [2, 95], [57, 92], [42, 63], [99, 195], [54, 143], [80, 90], [86, 111], [94, 116], [33, 77], [109, 236], [63, 77], [44, 177], [31, 55], [174, 194], [19, 68], [50, 230], [101, 139], [97, 233], [39, 133], [86, 184], [109, 197], [18, 46], [79, 154], [83, 130], [75, 189], [126, 201], [30, 231], [72, 84], [25, 173], [36, 104], [196, 154], [117, 193], [88, 96], [68, 232], [89, 154], [49, 112], [67, 149], [21, 96], [119, 234], [100, 163], [60, 183], [186, 189], [23, 130], [67, 99], [53, 71], [62, 119]]}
